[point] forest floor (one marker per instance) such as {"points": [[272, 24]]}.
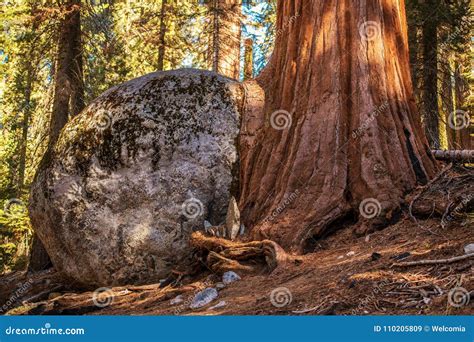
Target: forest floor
{"points": [[345, 275]]}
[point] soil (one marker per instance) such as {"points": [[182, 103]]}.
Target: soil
{"points": [[345, 275]]}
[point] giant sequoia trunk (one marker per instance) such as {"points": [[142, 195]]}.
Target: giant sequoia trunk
{"points": [[338, 125]]}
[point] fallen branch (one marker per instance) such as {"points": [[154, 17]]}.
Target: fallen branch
{"points": [[427, 186], [459, 156], [433, 262]]}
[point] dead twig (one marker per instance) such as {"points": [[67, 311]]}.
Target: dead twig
{"points": [[433, 262]]}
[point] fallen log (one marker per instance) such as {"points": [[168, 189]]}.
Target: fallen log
{"points": [[458, 156]]}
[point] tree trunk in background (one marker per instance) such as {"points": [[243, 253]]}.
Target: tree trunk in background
{"points": [[68, 71], [340, 130], [77, 73], [26, 108], [463, 140], [25, 127], [68, 99], [162, 36], [430, 78], [414, 38], [248, 59], [448, 105], [226, 35], [214, 52]]}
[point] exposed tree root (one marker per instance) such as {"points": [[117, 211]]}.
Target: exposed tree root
{"points": [[223, 255]]}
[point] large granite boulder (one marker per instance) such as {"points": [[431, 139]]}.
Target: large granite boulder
{"points": [[135, 173]]}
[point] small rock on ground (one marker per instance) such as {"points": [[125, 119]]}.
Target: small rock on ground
{"points": [[468, 249], [229, 277], [177, 300], [376, 256], [220, 286], [203, 298]]}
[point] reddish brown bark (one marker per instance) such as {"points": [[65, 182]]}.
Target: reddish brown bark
{"points": [[354, 131]]}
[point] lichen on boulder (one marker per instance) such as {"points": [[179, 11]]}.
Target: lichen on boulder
{"points": [[135, 174]]}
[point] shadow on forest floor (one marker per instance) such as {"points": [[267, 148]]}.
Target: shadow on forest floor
{"points": [[343, 276]]}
